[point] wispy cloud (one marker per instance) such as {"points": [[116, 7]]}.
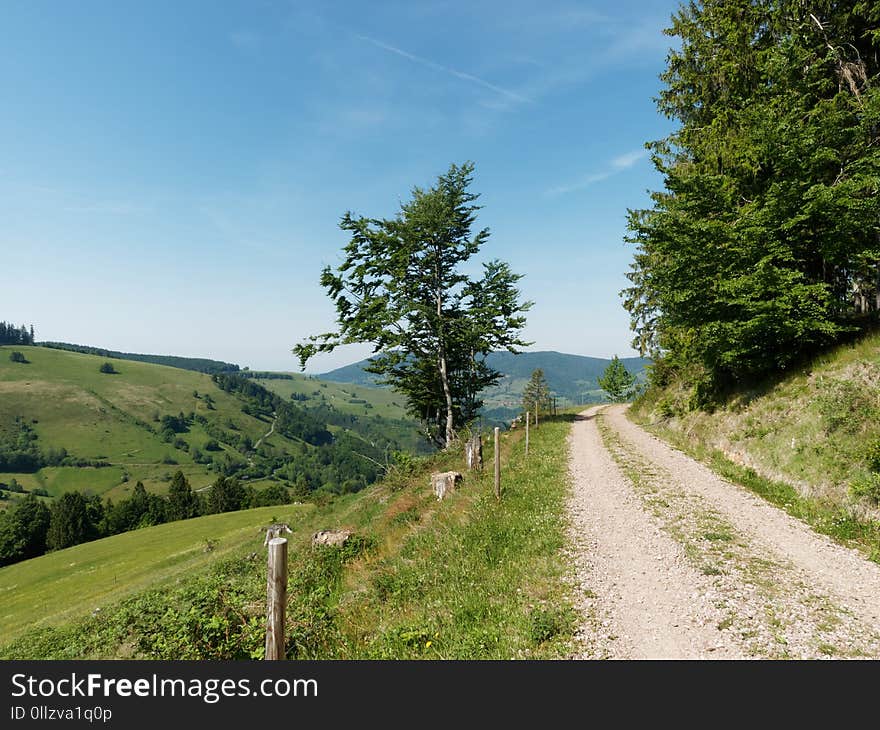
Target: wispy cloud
{"points": [[616, 165], [627, 160], [445, 69]]}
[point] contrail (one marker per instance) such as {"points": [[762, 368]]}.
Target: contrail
{"points": [[451, 71]]}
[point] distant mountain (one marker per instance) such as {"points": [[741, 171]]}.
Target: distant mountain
{"points": [[572, 378]]}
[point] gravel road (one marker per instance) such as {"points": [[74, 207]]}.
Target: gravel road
{"points": [[672, 561]]}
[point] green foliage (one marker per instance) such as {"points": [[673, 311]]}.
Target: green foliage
{"points": [[107, 368], [23, 530], [401, 288], [73, 519], [845, 405], [225, 495], [867, 486], [764, 244], [872, 456], [546, 623], [183, 503], [536, 395], [617, 382], [12, 335], [17, 356]]}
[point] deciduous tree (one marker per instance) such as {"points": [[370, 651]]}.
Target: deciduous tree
{"points": [[765, 241], [402, 287]]}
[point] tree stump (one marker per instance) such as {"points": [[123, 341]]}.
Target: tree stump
{"points": [[445, 481], [331, 538], [473, 453]]}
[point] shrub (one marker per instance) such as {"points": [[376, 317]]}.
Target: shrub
{"points": [[845, 406], [107, 368], [872, 456], [16, 356], [867, 486]]}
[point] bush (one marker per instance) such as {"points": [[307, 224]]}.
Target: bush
{"points": [[867, 486], [16, 356], [845, 406], [872, 456], [107, 368]]}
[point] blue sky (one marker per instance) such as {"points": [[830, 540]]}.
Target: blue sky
{"points": [[172, 174]]}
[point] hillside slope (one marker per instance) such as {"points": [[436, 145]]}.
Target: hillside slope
{"points": [[101, 432], [816, 429], [92, 575]]}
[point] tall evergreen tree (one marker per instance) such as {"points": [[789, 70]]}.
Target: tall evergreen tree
{"points": [[617, 381], [403, 289], [23, 530], [70, 522], [225, 495], [183, 503]]}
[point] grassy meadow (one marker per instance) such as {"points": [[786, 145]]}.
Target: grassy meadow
{"points": [[357, 400], [67, 584]]}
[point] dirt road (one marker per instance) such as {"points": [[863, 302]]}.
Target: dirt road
{"points": [[672, 561]]}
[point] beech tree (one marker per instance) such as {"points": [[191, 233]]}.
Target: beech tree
{"points": [[765, 242], [402, 288]]}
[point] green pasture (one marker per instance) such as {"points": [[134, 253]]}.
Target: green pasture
{"points": [[64, 585]]}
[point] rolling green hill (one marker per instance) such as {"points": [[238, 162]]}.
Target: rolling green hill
{"points": [[199, 364], [359, 400], [101, 432], [90, 575]]}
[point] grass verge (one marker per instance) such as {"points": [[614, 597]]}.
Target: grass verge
{"points": [[824, 516]]}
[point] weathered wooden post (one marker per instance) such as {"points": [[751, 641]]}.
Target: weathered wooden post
{"points": [[276, 602], [473, 452], [497, 464], [528, 418]]}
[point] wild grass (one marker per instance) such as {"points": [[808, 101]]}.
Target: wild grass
{"points": [[468, 577], [825, 515]]}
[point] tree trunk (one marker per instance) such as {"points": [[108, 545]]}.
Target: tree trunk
{"points": [[447, 394]]}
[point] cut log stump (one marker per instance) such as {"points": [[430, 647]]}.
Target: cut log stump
{"points": [[444, 482], [331, 538]]}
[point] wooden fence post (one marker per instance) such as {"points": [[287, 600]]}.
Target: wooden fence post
{"points": [[473, 452], [497, 464], [528, 418], [276, 603]]}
